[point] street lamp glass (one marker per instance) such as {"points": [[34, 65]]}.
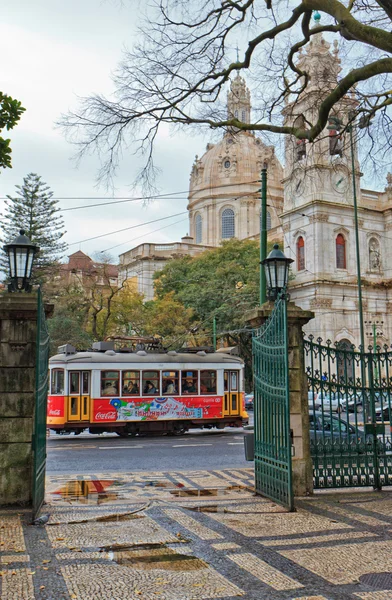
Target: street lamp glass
{"points": [[21, 252], [276, 267]]}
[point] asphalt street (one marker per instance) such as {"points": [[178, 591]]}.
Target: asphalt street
{"points": [[197, 449]]}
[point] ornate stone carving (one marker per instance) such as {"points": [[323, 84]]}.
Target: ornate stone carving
{"points": [[319, 218], [320, 303], [286, 228]]}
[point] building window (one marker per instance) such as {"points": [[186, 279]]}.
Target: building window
{"points": [[374, 255], [243, 116], [300, 254], [227, 164], [340, 252], [198, 228], [228, 229], [300, 144], [269, 225]]}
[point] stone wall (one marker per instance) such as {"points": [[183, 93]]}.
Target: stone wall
{"points": [[18, 330]]}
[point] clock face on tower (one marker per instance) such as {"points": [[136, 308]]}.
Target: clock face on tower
{"points": [[340, 181]]}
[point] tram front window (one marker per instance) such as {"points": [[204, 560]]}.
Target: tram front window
{"points": [[208, 382], [57, 382], [74, 383]]}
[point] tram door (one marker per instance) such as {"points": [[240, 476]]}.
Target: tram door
{"points": [[232, 393], [79, 396]]}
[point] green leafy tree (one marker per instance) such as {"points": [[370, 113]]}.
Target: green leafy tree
{"points": [[34, 210], [221, 283], [10, 112], [67, 327]]}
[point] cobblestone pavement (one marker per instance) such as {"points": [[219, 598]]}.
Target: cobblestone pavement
{"points": [[195, 535]]}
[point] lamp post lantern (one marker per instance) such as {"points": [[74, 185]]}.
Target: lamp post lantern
{"points": [[276, 267], [21, 252]]}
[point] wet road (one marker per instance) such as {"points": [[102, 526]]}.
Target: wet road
{"points": [[107, 453]]}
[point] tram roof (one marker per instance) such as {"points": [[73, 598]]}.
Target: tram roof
{"points": [[121, 357]]}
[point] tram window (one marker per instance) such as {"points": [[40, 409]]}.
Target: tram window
{"points": [[85, 382], [170, 381], [226, 381], [208, 382], [74, 406], [150, 382], [131, 383], [74, 381], [110, 383], [234, 381], [189, 382], [57, 382]]}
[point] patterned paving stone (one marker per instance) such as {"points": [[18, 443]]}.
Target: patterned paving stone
{"points": [[14, 558], [345, 512], [17, 584], [95, 535], [344, 564], [279, 524], [192, 525], [387, 595], [263, 571], [225, 546], [11, 534], [318, 539], [117, 582]]}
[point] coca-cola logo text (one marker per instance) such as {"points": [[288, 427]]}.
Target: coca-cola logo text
{"points": [[55, 413], [105, 416]]}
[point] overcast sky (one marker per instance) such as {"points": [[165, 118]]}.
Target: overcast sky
{"points": [[53, 51]]}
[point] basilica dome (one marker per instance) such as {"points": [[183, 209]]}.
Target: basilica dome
{"points": [[225, 180]]}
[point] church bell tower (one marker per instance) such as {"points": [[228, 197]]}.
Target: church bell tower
{"points": [[317, 218]]}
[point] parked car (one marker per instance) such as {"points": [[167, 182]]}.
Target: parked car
{"points": [[312, 400], [331, 401], [325, 426], [249, 401], [383, 413]]}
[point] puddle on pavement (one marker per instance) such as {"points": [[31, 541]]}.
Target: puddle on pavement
{"points": [[156, 556], [93, 491], [200, 493]]}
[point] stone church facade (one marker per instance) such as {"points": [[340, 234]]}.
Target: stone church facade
{"points": [[310, 208]]}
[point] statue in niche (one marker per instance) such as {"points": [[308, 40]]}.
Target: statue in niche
{"points": [[374, 255]]}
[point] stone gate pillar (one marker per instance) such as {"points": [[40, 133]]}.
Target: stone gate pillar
{"points": [[302, 467], [18, 334]]}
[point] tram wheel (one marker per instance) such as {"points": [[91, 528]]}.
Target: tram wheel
{"points": [[125, 434], [179, 430]]}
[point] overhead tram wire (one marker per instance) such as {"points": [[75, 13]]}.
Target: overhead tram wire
{"points": [[127, 228], [142, 236]]}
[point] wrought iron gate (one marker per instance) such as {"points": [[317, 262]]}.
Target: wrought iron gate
{"points": [[41, 395], [271, 408], [350, 413]]}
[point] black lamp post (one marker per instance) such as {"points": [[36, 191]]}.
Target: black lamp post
{"points": [[21, 253], [276, 267]]}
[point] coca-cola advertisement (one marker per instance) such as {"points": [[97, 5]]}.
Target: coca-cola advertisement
{"points": [[55, 406], [155, 409]]}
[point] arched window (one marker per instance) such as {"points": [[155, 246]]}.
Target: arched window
{"points": [[228, 229], [374, 255], [340, 252], [268, 221], [300, 254], [345, 362], [198, 229], [300, 144], [243, 116]]}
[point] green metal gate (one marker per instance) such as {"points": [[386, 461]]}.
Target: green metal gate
{"points": [[350, 414], [41, 396], [273, 476]]}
